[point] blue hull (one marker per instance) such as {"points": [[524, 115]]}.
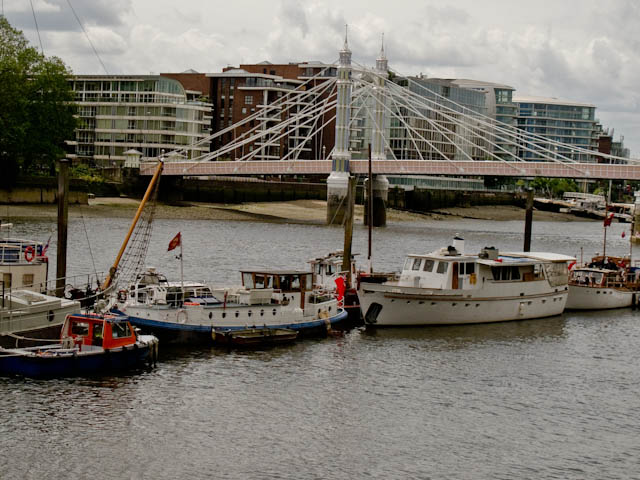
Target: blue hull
{"points": [[186, 333], [72, 365]]}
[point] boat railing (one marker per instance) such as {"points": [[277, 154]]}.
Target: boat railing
{"points": [[20, 251], [81, 287]]}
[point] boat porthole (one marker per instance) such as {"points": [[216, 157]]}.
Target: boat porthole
{"points": [[261, 313], [237, 314], [544, 301], [224, 314], [453, 304], [420, 302], [274, 311], [393, 300], [210, 315], [467, 304], [329, 308], [529, 302], [477, 304], [249, 314], [408, 301]]}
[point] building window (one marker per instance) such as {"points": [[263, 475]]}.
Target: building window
{"points": [[27, 279], [248, 100]]}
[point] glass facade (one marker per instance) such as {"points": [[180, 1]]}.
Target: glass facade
{"points": [[566, 123], [148, 113], [433, 133]]}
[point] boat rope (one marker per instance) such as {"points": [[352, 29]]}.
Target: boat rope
{"points": [[29, 339], [87, 35], [135, 255], [37, 28], [86, 233]]}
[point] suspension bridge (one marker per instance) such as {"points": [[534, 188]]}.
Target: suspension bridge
{"points": [[400, 124]]}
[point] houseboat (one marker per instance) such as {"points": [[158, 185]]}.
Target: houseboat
{"points": [[187, 312]]}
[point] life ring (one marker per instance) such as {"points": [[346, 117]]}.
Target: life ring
{"points": [[29, 253]]}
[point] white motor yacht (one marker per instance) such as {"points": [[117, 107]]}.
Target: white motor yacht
{"points": [[450, 287]]}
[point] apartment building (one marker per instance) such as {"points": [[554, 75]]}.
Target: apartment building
{"points": [[145, 114], [550, 119]]}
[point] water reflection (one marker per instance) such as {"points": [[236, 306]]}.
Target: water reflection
{"points": [[461, 336]]}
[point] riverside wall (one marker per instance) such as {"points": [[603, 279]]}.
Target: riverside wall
{"points": [[42, 190]]}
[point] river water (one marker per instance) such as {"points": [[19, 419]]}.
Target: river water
{"points": [[550, 398]]}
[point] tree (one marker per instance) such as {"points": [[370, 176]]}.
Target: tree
{"points": [[36, 107]]}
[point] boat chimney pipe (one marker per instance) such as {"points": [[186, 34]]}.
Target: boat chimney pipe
{"points": [[458, 244]]}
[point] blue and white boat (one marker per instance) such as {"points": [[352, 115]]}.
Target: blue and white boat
{"points": [[195, 312], [89, 343]]}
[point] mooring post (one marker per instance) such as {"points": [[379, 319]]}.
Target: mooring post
{"points": [[63, 223], [528, 219], [348, 230]]}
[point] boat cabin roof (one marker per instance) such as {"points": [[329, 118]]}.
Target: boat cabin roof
{"points": [[276, 272], [520, 258]]}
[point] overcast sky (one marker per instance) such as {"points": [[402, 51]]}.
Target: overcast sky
{"points": [[581, 50]]}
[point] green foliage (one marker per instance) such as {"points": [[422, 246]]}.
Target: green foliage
{"points": [[86, 173], [36, 109], [553, 187]]}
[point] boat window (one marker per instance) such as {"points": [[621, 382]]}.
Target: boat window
{"points": [[259, 279], [309, 283], [268, 281], [120, 330], [80, 328], [495, 271], [504, 273], [416, 263], [97, 334], [247, 280], [428, 265], [317, 268], [285, 283], [331, 269], [295, 282], [469, 268], [443, 267], [515, 273], [407, 263]]}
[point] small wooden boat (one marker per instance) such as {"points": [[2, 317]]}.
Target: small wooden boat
{"points": [[254, 337], [89, 343]]}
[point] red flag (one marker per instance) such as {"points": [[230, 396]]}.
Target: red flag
{"points": [[623, 234], [607, 220], [175, 242]]}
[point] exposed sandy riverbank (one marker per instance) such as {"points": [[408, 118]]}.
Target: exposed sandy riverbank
{"points": [[299, 211]]}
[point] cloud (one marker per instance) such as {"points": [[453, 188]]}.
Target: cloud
{"points": [[56, 15]]}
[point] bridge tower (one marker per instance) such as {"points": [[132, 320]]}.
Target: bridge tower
{"points": [[380, 186], [338, 181]]}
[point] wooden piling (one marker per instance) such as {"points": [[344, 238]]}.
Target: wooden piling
{"points": [[528, 220], [63, 223]]}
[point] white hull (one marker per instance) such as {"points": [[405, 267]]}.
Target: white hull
{"points": [[452, 308], [232, 316], [22, 321], [585, 297]]}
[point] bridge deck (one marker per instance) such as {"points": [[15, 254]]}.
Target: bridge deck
{"points": [[403, 167]]}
